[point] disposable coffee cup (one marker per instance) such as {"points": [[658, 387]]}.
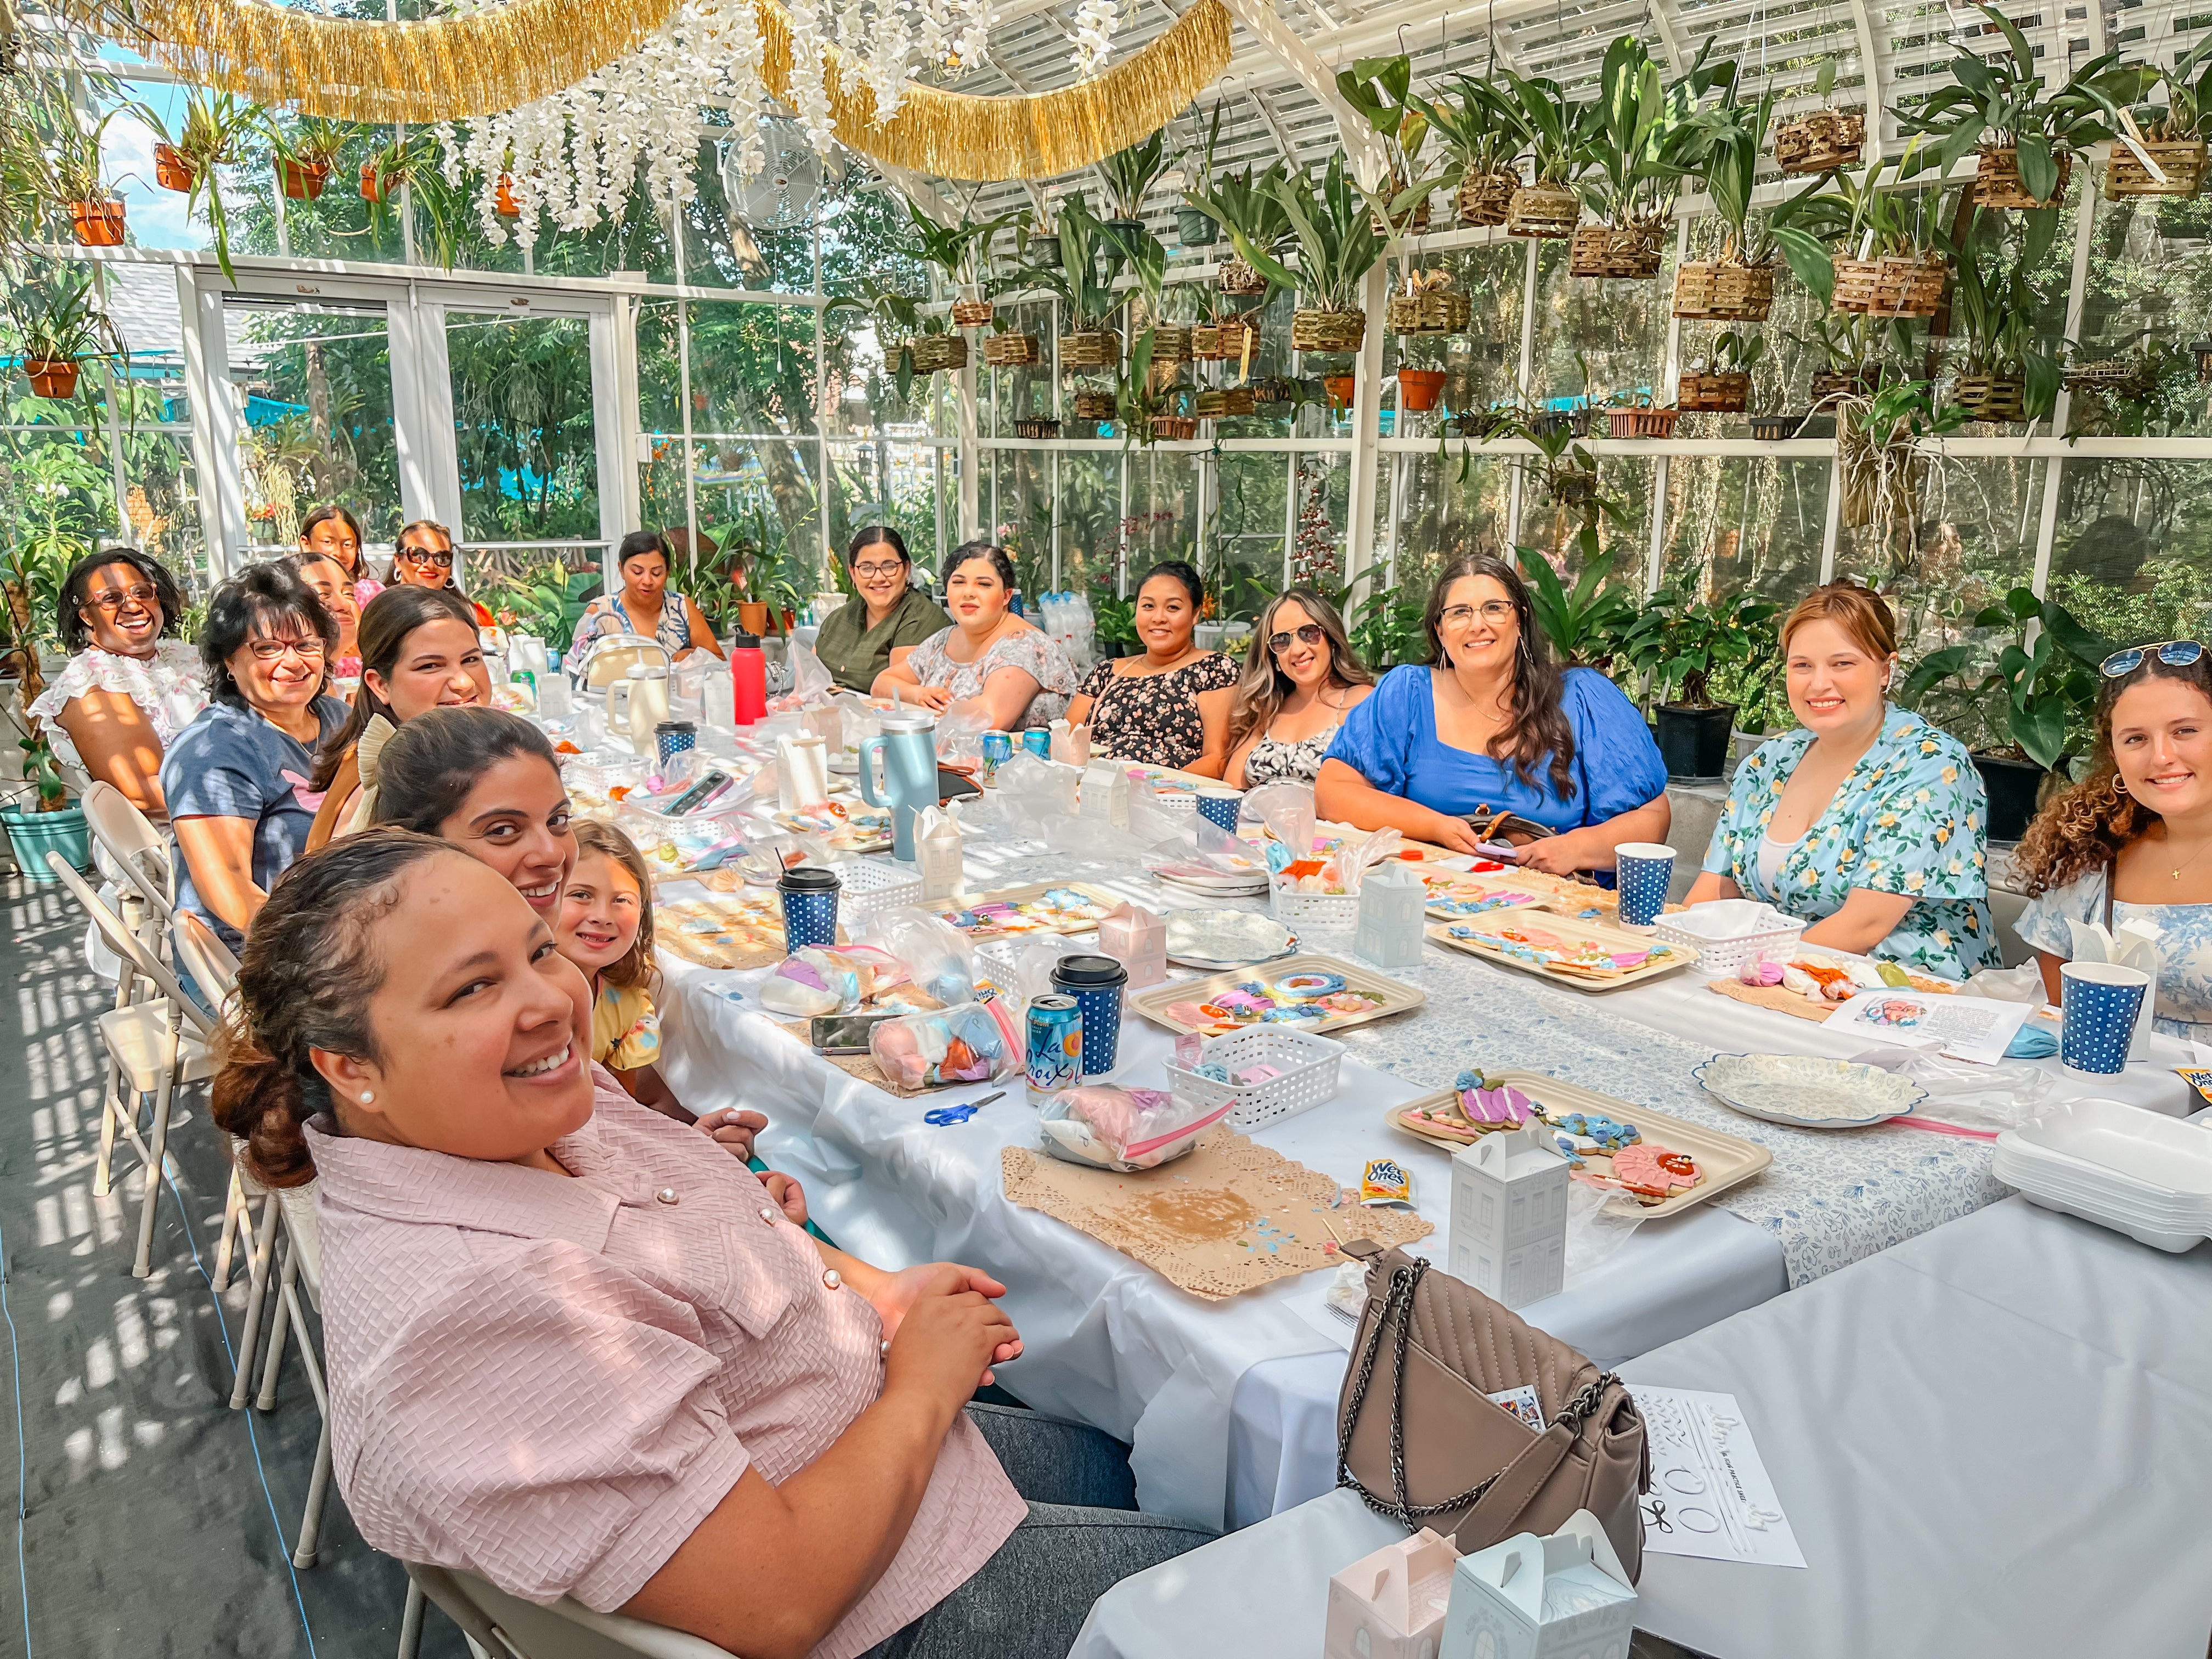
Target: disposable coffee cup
{"points": [[2098, 1003], [1644, 869], [1097, 983]]}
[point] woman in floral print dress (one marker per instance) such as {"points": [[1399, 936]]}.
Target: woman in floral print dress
{"points": [[1867, 821]]}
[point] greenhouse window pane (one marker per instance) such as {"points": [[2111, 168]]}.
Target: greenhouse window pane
{"points": [[1089, 521], [1246, 560], [1599, 335], [1738, 523], [1011, 394], [1554, 527], [1020, 511], [903, 484], [2148, 297], [1959, 542], [752, 367], [2132, 553], [1444, 509], [1482, 363]]}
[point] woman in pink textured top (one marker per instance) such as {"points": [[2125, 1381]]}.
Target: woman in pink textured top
{"points": [[573, 1346]]}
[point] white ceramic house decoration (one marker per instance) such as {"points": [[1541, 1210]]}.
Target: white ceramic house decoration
{"points": [[1561, 1597], [1390, 1605], [1509, 1215]]}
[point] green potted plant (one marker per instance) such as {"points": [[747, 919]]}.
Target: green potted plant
{"points": [[305, 150], [2174, 132], [96, 213], [1550, 127], [1638, 137], [207, 139], [1194, 226], [1890, 266], [898, 321], [1680, 643], [1246, 207], [1129, 175], [1879, 454], [1720, 384], [1737, 284], [1338, 244], [1380, 89], [1585, 623], [1823, 139], [1484, 141], [2004, 376], [2026, 134], [963, 252], [1089, 297], [2024, 702], [56, 326]]}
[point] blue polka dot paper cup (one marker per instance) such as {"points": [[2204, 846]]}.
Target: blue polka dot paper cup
{"points": [[1097, 983], [2099, 1001], [1643, 868], [1221, 806], [810, 906]]}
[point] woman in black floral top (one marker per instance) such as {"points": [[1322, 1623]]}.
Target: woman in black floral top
{"points": [[1171, 706]]}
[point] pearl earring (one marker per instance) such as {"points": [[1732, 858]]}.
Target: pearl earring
{"points": [[368, 1097]]}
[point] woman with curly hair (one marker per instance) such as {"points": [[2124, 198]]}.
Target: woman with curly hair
{"points": [[2127, 842]]}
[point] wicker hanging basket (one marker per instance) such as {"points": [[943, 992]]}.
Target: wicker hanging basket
{"points": [[1236, 276], [1436, 311], [1037, 428], [1997, 180], [1819, 139], [1895, 285], [1484, 199], [1414, 223], [1224, 401], [1775, 428], [1643, 423], [1013, 351], [1859, 383], [1094, 406], [972, 313], [1093, 349], [1328, 331], [1725, 290], [1170, 344], [1630, 251], [1726, 393], [934, 351], [1543, 210], [1993, 397], [2182, 160], [1174, 428], [1275, 389]]}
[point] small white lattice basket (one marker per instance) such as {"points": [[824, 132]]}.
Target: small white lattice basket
{"points": [[870, 885], [1308, 1064], [1771, 934], [1313, 913]]}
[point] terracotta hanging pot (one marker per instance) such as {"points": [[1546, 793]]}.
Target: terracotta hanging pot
{"points": [[1340, 389], [375, 186], [752, 617], [172, 170], [302, 181], [97, 224], [502, 199], [1419, 388], [52, 377]]}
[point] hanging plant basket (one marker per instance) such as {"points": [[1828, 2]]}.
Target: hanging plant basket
{"points": [[1993, 397], [1236, 276], [1328, 331], [1551, 210], [172, 170], [1340, 390], [1224, 401], [1099, 348], [1863, 382], [1414, 222], [2182, 160], [1223, 340], [1643, 423], [1486, 197], [934, 351], [302, 181], [1170, 344], [1037, 428], [1775, 428], [1095, 406], [1725, 393], [52, 377], [1419, 389], [1726, 290], [1195, 229], [1819, 139], [1630, 251], [1997, 180], [1895, 285], [375, 186], [1173, 428], [973, 313], [1013, 350], [2112, 374], [1274, 389], [1045, 251], [1436, 311], [97, 224]]}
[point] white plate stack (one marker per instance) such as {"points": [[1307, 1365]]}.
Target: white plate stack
{"points": [[2137, 1172]]}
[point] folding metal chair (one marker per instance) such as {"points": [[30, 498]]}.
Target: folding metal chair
{"points": [[195, 948]]}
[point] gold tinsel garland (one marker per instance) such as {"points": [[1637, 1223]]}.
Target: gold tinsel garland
{"points": [[448, 69], [956, 135], [442, 69]]}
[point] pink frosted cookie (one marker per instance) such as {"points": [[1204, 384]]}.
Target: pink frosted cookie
{"points": [[1652, 1172]]}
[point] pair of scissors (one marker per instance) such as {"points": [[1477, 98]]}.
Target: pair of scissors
{"points": [[939, 1117]]}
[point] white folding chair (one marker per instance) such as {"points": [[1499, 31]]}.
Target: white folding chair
{"points": [[195, 948], [153, 1045], [134, 856], [503, 1626], [608, 658]]}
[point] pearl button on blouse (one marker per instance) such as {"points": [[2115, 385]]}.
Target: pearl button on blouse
{"points": [[666, 1196], [831, 1277]]}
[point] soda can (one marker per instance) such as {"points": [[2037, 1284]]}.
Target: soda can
{"points": [[1038, 742], [1055, 1051], [998, 750]]}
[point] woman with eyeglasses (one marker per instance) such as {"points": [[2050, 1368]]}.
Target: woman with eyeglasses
{"points": [[128, 689], [424, 557], [1169, 706], [333, 532], [886, 612], [1492, 726], [2128, 842], [237, 778], [1866, 821], [1301, 678]]}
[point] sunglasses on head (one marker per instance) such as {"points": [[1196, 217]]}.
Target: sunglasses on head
{"points": [[2174, 654], [1310, 633]]}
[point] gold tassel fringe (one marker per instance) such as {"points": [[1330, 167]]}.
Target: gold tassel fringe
{"points": [[444, 68], [957, 135]]}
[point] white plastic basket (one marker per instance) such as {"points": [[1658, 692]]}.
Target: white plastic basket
{"points": [[873, 885], [1724, 958], [1308, 1064], [1313, 913]]}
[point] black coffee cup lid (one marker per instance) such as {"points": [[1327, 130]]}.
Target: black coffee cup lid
{"points": [[1090, 973], [812, 878], [744, 641], [674, 726]]}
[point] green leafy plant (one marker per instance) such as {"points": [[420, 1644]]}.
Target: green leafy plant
{"points": [[75, 145], [1338, 244], [2188, 104], [1639, 137], [1247, 207], [1735, 136], [1585, 623], [1476, 125], [547, 602], [55, 316], [1681, 642], [1380, 89], [962, 252], [1993, 309], [898, 317], [1855, 211], [1090, 255], [1738, 351], [309, 140], [411, 162], [2028, 697], [209, 138], [1129, 175], [1546, 123]]}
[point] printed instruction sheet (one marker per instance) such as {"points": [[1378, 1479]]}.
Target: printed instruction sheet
{"points": [[1710, 1494], [1977, 1028]]}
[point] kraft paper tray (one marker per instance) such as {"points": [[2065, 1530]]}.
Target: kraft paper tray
{"points": [[1396, 996], [1567, 928]]}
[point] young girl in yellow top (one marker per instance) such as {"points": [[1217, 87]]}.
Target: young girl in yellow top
{"points": [[606, 930]]}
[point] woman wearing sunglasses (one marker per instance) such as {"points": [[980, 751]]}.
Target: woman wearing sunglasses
{"points": [[2128, 843], [1301, 678], [1493, 727], [1867, 820], [424, 557]]}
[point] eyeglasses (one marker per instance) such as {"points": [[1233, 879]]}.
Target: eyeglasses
{"points": [[872, 572], [423, 556], [1492, 612], [308, 650], [1311, 634], [115, 599], [2174, 654]]}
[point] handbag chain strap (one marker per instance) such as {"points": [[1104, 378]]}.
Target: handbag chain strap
{"points": [[1398, 1304]]}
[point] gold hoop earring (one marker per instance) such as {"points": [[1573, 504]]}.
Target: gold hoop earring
{"points": [[2119, 784]]}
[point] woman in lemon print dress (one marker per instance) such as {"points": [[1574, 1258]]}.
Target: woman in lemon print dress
{"points": [[1867, 821]]}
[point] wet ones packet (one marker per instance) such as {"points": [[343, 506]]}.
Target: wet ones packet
{"points": [[1386, 1182]]}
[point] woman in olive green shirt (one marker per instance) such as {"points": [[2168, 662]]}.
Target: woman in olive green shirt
{"points": [[855, 645]]}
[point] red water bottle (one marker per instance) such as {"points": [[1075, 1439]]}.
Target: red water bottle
{"points": [[748, 679]]}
